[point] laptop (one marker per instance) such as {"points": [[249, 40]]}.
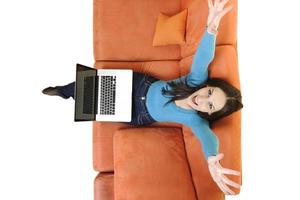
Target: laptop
{"points": [[103, 94]]}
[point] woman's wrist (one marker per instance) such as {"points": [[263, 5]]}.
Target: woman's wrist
{"points": [[212, 30]]}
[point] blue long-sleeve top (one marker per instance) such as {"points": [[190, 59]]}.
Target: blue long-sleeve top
{"points": [[155, 100]]}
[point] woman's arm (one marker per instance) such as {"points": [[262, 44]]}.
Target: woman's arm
{"points": [[206, 48], [216, 12], [209, 141], [210, 147], [203, 56]]}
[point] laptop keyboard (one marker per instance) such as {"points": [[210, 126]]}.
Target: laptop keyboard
{"points": [[107, 95]]}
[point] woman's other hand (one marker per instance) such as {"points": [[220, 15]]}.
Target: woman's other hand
{"points": [[216, 12], [217, 172]]}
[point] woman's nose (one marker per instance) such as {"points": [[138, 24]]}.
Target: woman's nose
{"points": [[202, 98]]}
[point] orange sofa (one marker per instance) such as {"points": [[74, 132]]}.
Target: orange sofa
{"points": [[163, 161]]}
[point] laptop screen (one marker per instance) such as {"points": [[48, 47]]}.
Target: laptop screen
{"points": [[86, 93]]}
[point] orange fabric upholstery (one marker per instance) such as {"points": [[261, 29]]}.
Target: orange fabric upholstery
{"points": [[162, 69], [104, 186], [141, 162], [150, 163], [170, 29], [124, 30], [103, 143], [196, 21]]}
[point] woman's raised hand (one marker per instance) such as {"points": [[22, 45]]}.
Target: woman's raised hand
{"points": [[217, 172], [216, 12]]}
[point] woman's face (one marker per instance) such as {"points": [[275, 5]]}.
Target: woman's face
{"points": [[208, 99]]}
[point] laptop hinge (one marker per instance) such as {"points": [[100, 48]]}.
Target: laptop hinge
{"points": [[96, 95]]}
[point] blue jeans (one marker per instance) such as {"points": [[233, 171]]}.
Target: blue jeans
{"points": [[68, 90], [139, 115]]}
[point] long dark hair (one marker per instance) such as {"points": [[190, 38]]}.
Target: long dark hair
{"points": [[181, 90]]}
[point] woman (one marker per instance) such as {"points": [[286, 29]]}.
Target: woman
{"points": [[192, 100]]}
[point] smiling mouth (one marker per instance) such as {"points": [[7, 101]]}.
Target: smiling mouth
{"points": [[194, 100]]}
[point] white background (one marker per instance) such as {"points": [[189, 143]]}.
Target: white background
{"points": [[45, 155]]}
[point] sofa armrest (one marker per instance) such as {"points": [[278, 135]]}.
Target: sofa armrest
{"points": [[151, 163]]}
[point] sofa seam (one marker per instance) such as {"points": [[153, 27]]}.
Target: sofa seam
{"points": [[189, 166], [97, 60]]}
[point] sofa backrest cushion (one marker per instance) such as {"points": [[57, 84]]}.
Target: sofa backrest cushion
{"points": [[124, 30], [196, 22]]}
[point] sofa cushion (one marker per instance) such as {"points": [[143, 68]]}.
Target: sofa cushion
{"points": [[162, 69], [103, 133], [151, 163], [225, 65], [170, 29], [196, 22], [124, 30]]}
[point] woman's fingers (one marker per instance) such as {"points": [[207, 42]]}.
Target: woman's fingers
{"points": [[223, 3], [230, 171], [210, 4], [230, 182], [222, 188], [216, 3], [228, 189], [226, 10], [225, 188]]}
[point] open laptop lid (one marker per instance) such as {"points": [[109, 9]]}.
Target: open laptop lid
{"points": [[82, 72]]}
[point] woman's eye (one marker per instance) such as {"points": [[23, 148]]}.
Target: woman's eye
{"points": [[209, 92], [210, 106]]}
